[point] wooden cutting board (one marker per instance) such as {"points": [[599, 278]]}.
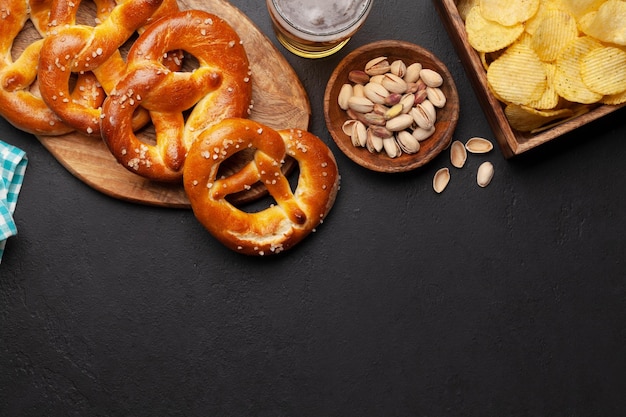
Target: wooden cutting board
{"points": [[280, 101]]}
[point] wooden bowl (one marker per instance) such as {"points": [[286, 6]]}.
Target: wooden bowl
{"points": [[447, 116]]}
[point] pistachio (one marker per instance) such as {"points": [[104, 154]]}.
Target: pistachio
{"points": [[394, 111], [407, 142], [435, 95], [420, 96], [393, 99], [484, 174], [392, 149], [348, 126], [359, 134], [368, 119], [431, 78], [430, 109], [360, 104], [358, 77], [407, 102], [372, 119], [478, 145], [394, 84], [441, 180], [380, 108], [398, 67], [413, 72], [358, 90], [412, 87], [378, 79], [400, 122], [374, 143], [344, 95], [458, 154], [375, 92], [421, 117], [377, 66], [381, 131], [422, 134]]}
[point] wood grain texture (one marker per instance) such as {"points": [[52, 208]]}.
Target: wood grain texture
{"points": [[511, 142], [280, 101]]}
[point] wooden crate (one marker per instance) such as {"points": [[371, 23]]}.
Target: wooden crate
{"points": [[511, 142]]}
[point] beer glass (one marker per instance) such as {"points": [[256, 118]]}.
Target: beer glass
{"points": [[315, 29]]}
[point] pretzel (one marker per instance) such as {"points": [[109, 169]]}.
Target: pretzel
{"points": [[20, 101], [295, 214], [71, 48], [219, 88]]}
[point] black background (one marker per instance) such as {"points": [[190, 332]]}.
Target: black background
{"points": [[503, 301]]}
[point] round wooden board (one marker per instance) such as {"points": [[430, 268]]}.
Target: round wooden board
{"points": [[280, 101]]}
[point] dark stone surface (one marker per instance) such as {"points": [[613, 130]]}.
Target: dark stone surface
{"points": [[503, 301]]}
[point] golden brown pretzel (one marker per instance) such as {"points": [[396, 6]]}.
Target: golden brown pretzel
{"points": [[220, 87], [20, 101], [294, 215], [72, 48]]}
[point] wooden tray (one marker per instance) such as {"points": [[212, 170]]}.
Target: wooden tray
{"points": [[511, 141], [280, 101]]}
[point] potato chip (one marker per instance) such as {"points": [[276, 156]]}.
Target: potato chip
{"points": [[567, 80], [614, 99], [464, 6], [526, 119], [555, 30], [508, 12], [578, 8], [544, 7], [488, 36], [518, 76], [550, 98], [603, 70], [608, 23]]}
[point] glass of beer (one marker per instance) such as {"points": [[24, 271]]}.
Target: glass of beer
{"points": [[317, 29]]}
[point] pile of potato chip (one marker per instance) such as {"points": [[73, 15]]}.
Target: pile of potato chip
{"points": [[549, 60]]}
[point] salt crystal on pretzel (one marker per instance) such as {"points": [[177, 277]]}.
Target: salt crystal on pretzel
{"points": [[296, 213], [219, 88]]}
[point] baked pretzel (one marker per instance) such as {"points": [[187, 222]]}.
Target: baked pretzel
{"points": [[220, 87], [72, 48], [294, 215], [20, 101]]}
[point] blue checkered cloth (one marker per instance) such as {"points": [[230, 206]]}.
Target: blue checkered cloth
{"points": [[13, 163]]}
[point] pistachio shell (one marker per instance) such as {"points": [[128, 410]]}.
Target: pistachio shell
{"points": [[392, 149], [358, 77], [375, 92], [377, 66], [458, 154], [360, 104], [484, 174], [413, 72], [478, 145], [441, 180], [348, 126], [436, 96], [394, 84], [407, 142], [421, 117], [359, 134], [422, 134], [431, 78], [374, 142], [400, 122], [345, 93], [398, 67]]}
